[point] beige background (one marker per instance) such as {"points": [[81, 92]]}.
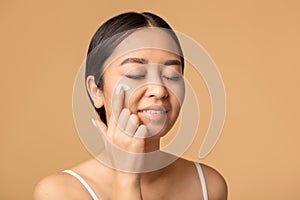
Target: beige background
{"points": [[256, 45]]}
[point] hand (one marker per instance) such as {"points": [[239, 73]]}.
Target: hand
{"points": [[122, 136]]}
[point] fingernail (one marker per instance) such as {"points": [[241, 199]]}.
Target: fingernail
{"points": [[94, 122]]}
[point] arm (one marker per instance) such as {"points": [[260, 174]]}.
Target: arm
{"points": [[216, 184], [121, 146]]}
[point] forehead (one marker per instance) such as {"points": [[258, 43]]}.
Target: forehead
{"points": [[145, 38]]}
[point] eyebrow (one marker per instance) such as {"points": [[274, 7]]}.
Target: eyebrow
{"points": [[134, 60], [173, 62], [144, 61]]}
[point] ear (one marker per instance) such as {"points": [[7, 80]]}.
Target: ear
{"points": [[94, 91]]}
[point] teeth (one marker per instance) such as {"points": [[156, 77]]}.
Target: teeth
{"points": [[154, 111]]}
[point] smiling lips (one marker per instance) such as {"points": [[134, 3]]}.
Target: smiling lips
{"points": [[154, 113]]}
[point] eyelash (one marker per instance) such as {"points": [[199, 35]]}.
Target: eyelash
{"points": [[175, 78], [135, 77]]}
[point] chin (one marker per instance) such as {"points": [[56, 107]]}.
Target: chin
{"points": [[157, 131]]}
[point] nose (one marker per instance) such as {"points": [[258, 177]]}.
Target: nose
{"points": [[156, 90], [155, 87]]}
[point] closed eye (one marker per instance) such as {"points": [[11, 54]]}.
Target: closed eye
{"points": [[173, 78], [135, 76]]}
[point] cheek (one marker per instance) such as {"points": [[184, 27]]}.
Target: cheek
{"points": [[176, 107], [177, 94], [132, 94], [108, 98], [110, 85], [107, 104], [133, 97], [133, 91]]}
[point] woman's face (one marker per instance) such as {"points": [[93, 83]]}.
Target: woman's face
{"points": [[147, 62]]}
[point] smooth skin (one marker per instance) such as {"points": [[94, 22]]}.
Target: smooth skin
{"points": [[154, 78]]}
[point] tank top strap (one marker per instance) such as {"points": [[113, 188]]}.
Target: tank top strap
{"points": [[94, 196], [202, 180], [83, 182]]}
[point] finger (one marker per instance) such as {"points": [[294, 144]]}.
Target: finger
{"points": [[132, 125], [141, 132], [123, 119], [118, 101]]}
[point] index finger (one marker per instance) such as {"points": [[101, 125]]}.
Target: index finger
{"points": [[118, 100]]}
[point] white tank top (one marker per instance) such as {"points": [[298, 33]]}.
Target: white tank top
{"points": [[92, 193]]}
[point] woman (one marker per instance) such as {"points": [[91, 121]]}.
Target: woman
{"points": [[134, 79]]}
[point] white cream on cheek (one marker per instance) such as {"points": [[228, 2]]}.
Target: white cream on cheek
{"points": [[121, 86]]}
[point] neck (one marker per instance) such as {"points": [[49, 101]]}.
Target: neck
{"points": [[154, 163], [161, 166], [157, 163]]}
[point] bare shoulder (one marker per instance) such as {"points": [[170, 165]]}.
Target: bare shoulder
{"points": [[59, 186], [215, 182]]}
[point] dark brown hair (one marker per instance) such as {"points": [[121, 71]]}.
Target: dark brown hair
{"points": [[110, 35]]}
